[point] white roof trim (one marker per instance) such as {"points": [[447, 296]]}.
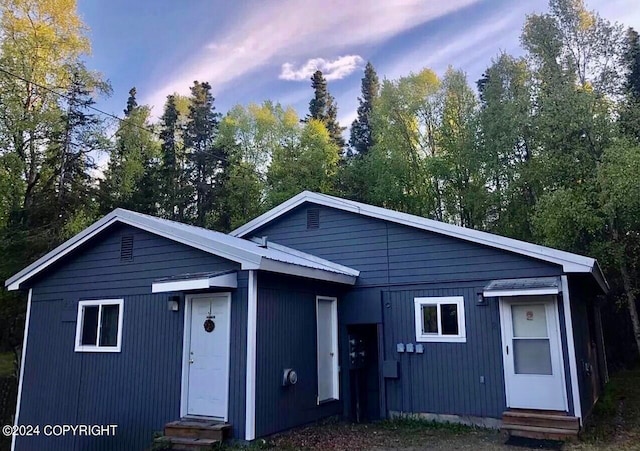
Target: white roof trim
{"points": [[222, 281], [247, 254], [571, 263]]}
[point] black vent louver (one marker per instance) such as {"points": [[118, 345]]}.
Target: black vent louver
{"points": [[126, 248], [313, 218]]}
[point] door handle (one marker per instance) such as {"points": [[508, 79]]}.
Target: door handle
{"points": [[507, 349], [190, 360]]}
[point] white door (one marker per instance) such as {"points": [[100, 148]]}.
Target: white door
{"points": [[208, 358], [327, 323], [534, 376]]}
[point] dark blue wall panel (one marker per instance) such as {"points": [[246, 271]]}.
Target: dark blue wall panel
{"points": [[139, 388], [286, 338]]}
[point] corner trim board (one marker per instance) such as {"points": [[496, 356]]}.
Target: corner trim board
{"points": [[250, 387], [22, 361], [571, 348]]}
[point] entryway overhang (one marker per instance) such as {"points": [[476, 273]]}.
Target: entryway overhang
{"points": [[196, 281], [533, 286]]}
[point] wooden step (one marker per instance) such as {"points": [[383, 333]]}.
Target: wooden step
{"points": [[540, 419], [191, 444], [197, 429], [540, 433]]}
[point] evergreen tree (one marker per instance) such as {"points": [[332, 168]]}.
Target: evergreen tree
{"points": [[323, 108], [361, 140], [132, 103], [206, 162], [174, 186], [630, 110]]}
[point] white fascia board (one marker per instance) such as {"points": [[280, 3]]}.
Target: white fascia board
{"points": [[523, 292], [303, 271], [222, 281], [571, 263]]}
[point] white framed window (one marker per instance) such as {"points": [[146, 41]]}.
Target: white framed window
{"points": [[440, 319], [99, 325]]}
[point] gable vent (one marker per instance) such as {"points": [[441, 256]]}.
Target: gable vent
{"points": [[313, 218], [126, 248]]}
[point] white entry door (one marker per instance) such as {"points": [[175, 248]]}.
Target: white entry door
{"points": [[534, 375], [208, 356], [327, 327]]}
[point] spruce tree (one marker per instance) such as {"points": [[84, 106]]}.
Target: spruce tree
{"points": [[630, 111], [361, 140], [323, 108], [205, 162], [132, 103]]}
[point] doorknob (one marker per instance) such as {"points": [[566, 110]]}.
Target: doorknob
{"points": [[190, 360]]}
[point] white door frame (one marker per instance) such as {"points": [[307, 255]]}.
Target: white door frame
{"points": [[504, 309], [335, 369], [186, 344]]}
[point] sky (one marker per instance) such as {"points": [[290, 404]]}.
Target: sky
{"points": [[254, 50]]}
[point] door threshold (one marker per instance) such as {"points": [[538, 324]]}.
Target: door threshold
{"points": [[203, 417]]}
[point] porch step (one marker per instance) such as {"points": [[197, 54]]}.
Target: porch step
{"points": [[540, 424], [191, 444], [197, 429]]}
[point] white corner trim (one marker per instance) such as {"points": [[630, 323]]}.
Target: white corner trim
{"points": [[252, 318], [571, 348], [22, 361], [222, 281], [99, 303], [525, 292]]}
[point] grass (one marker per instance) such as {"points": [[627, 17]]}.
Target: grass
{"points": [[6, 364]]}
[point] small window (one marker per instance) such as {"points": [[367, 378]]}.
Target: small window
{"points": [[99, 326], [440, 319]]}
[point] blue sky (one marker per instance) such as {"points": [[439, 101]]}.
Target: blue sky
{"points": [[253, 50]]}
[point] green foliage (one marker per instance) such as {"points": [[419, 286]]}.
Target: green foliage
{"points": [[323, 108]]}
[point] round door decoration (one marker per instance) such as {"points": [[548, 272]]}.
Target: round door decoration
{"points": [[209, 325]]}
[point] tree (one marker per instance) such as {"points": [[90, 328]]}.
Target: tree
{"points": [[205, 161], [361, 140], [309, 163], [506, 141], [323, 108], [132, 103], [630, 108], [175, 196], [131, 178]]}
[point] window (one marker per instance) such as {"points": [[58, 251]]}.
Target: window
{"points": [[99, 326], [440, 319]]}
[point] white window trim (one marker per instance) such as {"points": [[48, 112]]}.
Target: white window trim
{"points": [[438, 301], [335, 371], [97, 348]]}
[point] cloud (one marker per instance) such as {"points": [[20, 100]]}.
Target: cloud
{"points": [[262, 34], [336, 69]]}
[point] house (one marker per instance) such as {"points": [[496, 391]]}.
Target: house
{"points": [[319, 307]]}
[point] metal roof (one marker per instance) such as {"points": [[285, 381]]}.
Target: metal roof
{"points": [[250, 255], [571, 263], [516, 287]]}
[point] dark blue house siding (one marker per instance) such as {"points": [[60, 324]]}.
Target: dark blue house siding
{"points": [[286, 338], [398, 263], [139, 388]]}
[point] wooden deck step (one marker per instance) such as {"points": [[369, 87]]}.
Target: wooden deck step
{"points": [[191, 444], [197, 429], [540, 424]]}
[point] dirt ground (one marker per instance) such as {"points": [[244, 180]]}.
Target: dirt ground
{"points": [[614, 425]]}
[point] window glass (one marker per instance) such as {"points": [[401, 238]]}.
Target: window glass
{"points": [[529, 321], [109, 326], [449, 317], [532, 356], [89, 325], [429, 319]]}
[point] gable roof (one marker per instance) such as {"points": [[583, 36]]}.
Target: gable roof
{"points": [[250, 255], [571, 263]]}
